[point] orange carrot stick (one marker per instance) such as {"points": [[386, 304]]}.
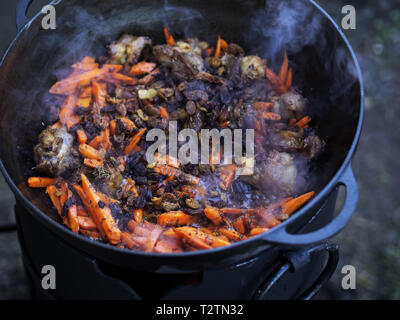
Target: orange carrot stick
{"points": [[138, 215], [100, 214], [292, 205], [260, 105], [230, 234], [142, 68], [40, 182], [92, 163], [164, 113], [271, 116], [81, 135], [168, 37], [174, 218], [303, 122], [284, 69], [90, 152], [256, 231], [236, 211], [213, 214], [87, 223], [66, 114], [99, 91], [134, 141], [87, 63], [200, 239], [52, 192], [218, 47]]}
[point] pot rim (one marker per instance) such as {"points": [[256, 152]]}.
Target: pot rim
{"points": [[58, 227]]}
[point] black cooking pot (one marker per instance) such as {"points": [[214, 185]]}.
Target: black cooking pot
{"points": [[325, 71]]}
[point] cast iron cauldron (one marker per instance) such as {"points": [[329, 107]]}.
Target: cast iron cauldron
{"points": [[326, 71]]}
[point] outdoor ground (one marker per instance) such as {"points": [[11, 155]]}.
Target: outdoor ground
{"points": [[371, 241]]}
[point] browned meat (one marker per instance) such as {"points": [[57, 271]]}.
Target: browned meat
{"points": [[277, 175], [313, 146], [286, 140], [253, 67], [127, 49], [289, 105], [53, 152]]}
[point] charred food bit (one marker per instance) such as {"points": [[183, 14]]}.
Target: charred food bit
{"points": [[53, 152]]}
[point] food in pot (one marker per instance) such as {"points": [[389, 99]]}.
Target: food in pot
{"points": [[94, 155]]}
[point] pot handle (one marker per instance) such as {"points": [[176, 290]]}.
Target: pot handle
{"points": [[295, 259], [281, 235], [21, 18]]}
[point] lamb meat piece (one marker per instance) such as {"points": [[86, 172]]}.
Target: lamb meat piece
{"points": [[285, 140], [276, 175], [313, 146], [289, 105], [231, 56], [127, 49], [253, 67], [53, 152], [182, 59]]}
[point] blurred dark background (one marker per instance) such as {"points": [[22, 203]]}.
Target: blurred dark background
{"points": [[371, 241]]}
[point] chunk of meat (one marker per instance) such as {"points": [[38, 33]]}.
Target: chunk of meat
{"points": [[53, 152], [253, 67], [289, 105], [313, 146], [276, 175], [183, 59], [127, 49]]}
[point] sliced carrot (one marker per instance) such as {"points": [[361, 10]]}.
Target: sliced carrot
{"points": [[40, 182], [168, 37], [150, 77], [218, 47], [99, 91], [101, 215], [134, 141], [231, 234], [303, 122], [213, 215], [52, 192], [236, 211], [200, 239], [292, 205], [142, 68], [128, 124], [90, 152], [87, 223], [96, 141], [164, 113], [92, 163], [73, 218], [70, 84], [263, 105], [239, 225], [271, 116], [82, 137], [118, 77], [256, 231], [284, 69], [113, 126], [138, 215], [67, 115], [87, 63], [174, 218]]}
